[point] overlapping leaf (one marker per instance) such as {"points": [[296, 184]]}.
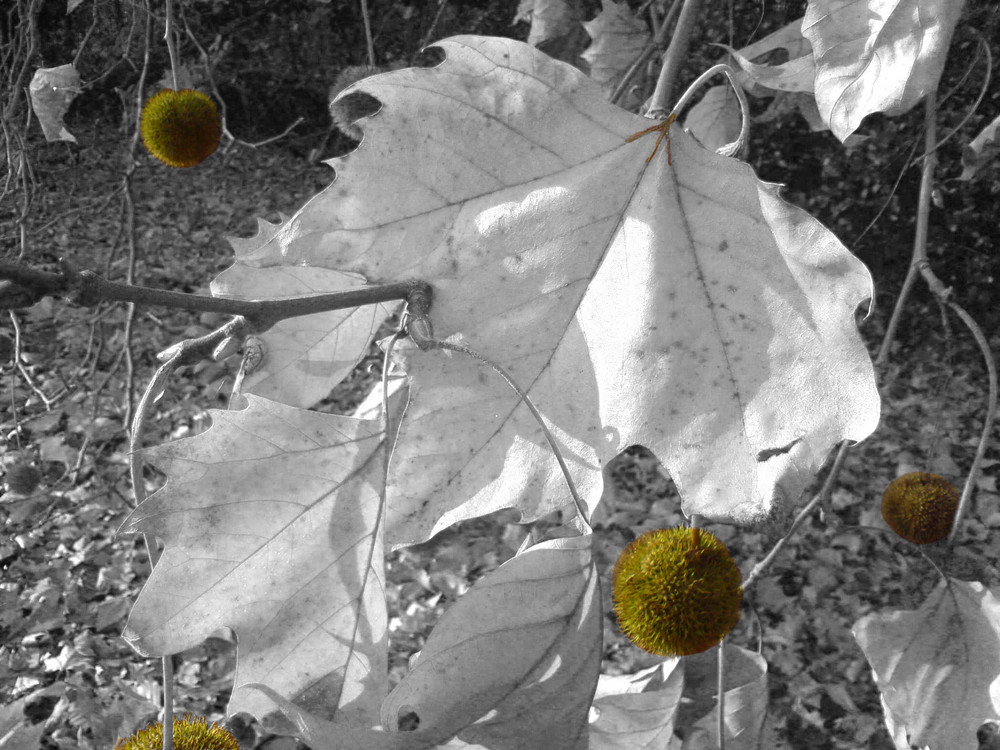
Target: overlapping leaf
{"points": [[638, 711], [512, 664], [303, 358], [618, 38], [269, 521], [876, 56], [533, 630], [937, 667], [684, 307]]}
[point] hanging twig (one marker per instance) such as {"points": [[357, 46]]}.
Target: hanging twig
{"points": [[720, 681], [168, 34], [153, 390]]}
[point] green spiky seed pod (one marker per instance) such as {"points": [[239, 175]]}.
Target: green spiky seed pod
{"points": [[920, 507], [21, 477], [190, 733], [677, 592], [181, 128]]}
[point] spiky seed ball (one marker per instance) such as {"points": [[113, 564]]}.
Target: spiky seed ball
{"points": [[181, 128], [677, 591], [190, 733], [920, 507], [21, 477]]}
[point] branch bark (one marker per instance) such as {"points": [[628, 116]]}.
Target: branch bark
{"points": [[26, 286]]}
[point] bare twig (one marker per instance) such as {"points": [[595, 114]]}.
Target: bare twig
{"points": [[646, 52], [88, 289], [761, 567], [155, 387], [988, 419], [430, 30], [979, 99], [368, 32], [659, 105], [720, 682], [22, 369], [168, 34], [128, 202]]}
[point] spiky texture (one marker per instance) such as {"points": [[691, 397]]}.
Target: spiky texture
{"points": [[920, 507], [181, 128], [677, 591], [190, 733]]}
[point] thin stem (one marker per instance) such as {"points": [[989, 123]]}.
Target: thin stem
{"points": [[720, 687], [646, 52], [581, 509], [368, 32], [920, 234], [155, 387], [168, 34], [168, 702], [988, 420], [983, 90], [674, 60], [761, 567], [437, 18], [729, 73], [386, 417], [262, 314]]}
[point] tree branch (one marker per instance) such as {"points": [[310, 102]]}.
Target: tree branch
{"points": [[25, 286], [659, 103]]}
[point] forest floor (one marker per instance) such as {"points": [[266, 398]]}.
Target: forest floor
{"points": [[67, 583]]}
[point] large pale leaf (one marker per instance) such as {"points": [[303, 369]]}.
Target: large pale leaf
{"points": [[517, 657], [634, 712], [789, 83], [876, 55], [303, 357], [513, 664], [745, 704], [938, 667], [686, 308], [269, 524]]}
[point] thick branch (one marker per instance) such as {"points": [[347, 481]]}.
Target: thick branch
{"points": [[30, 285]]}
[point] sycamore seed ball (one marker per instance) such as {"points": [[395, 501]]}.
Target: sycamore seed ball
{"points": [[190, 733], [180, 128], [920, 507], [677, 592]]}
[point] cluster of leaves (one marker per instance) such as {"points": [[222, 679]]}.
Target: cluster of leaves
{"points": [[447, 462], [273, 494]]}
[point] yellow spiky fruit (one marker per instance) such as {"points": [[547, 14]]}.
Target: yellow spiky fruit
{"points": [[190, 733], [920, 507], [181, 128], [677, 592]]}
